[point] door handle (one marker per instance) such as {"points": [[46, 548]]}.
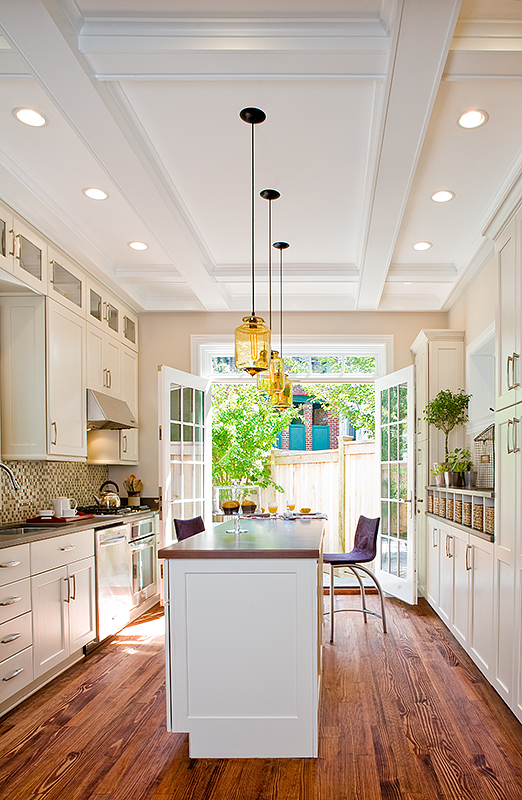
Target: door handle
{"points": [[434, 538], [9, 564], [509, 361], [515, 358], [13, 674], [509, 426], [516, 448], [68, 598], [10, 601], [11, 638], [468, 554]]}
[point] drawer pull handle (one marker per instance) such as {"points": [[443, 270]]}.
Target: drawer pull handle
{"points": [[10, 602], [11, 638], [8, 564], [67, 548], [13, 674]]}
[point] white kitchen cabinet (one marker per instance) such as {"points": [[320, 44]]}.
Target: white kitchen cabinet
{"points": [[433, 546], [66, 390], [16, 638], [104, 354], [42, 358], [128, 439], [460, 587], [509, 309], [63, 598], [506, 624], [67, 281]]}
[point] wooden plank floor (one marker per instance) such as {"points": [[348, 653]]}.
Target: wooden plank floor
{"points": [[406, 715]]}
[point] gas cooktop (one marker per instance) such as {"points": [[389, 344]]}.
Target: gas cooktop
{"points": [[118, 512]]}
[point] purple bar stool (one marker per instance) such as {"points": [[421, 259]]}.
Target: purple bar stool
{"points": [[364, 550], [188, 527]]}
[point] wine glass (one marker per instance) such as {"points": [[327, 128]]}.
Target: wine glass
{"points": [[290, 505], [272, 507]]}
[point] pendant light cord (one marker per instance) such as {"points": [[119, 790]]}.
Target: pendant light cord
{"points": [[270, 264], [281, 302], [253, 249]]}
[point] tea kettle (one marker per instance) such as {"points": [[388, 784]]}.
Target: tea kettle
{"points": [[108, 498]]}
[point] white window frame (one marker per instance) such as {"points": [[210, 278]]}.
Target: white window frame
{"points": [[205, 347]]}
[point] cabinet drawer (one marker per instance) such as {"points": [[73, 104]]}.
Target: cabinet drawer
{"points": [[14, 563], [15, 635], [61, 550], [15, 599], [15, 673]]}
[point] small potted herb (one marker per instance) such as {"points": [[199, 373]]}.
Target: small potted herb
{"points": [[439, 471]]}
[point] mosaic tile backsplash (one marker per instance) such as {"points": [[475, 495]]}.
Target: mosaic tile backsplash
{"points": [[40, 481]]}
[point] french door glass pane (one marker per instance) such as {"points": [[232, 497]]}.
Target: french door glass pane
{"points": [[394, 478], [3, 238]]}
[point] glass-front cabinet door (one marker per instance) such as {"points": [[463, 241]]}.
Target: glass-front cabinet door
{"points": [[30, 256], [130, 330], [394, 435], [66, 281]]}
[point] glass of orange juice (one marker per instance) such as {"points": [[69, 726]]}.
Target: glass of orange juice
{"points": [[290, 505], [272, 508]]}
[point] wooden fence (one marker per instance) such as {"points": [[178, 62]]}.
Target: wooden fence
{"points": [[341, 483]]}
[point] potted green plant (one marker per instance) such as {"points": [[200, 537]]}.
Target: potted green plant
{"points": [[447, 410], [459, 464]]}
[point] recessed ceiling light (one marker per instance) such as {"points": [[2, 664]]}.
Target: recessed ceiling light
{"points": [[473, 119], [408, 283], [138, 245], [95, 194], [29, 117], [422, 245], [443, 196]]}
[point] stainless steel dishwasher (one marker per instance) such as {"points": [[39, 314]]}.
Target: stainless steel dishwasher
{"points": [[113, 580]]}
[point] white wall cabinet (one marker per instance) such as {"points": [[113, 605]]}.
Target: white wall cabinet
{"points": [[6, 238], [509, 309], [63, 598], [104, 354], [43, 409], [66, 391]]}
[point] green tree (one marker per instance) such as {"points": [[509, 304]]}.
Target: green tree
{"points": [[352, 401], [244, 430]]}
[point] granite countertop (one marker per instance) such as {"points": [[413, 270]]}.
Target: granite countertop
{"points": [[265, 538], [20, 533]]}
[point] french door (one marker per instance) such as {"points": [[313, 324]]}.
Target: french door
{"points": [[394, 438], [184, 449]]}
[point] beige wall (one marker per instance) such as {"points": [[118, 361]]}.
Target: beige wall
{"points": [[474, 311], [165, 339]]}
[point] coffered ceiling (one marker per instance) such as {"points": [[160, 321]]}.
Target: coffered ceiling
{"points": [[362, 98]]}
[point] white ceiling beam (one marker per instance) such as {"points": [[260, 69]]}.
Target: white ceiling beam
{"points": [[65, 80], [412, 88]]}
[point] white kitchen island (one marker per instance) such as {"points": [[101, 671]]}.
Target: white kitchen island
{"points": [[243, 639]]}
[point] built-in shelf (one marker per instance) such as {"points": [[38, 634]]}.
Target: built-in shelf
{"points": [[468, 509], [462, 490]]}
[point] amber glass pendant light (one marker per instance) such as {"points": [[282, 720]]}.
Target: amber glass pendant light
{"points": [[252, 338], [281, 387], [264, 378]]}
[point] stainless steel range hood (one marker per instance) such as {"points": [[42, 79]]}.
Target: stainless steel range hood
{"points": [[108, 413]]}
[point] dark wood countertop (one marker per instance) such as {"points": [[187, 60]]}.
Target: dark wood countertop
{"points": [[266, 538]]}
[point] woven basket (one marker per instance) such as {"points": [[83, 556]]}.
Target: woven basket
{"points": [[458, 511], [449, 508], [478, 518], [442, 507], [466, 514], [430, 504], [489, 520]]}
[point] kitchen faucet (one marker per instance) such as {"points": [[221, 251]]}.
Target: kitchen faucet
{"points": [[14, 482]]}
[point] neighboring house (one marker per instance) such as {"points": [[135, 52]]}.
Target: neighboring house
{"points": [[314, 429]]}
